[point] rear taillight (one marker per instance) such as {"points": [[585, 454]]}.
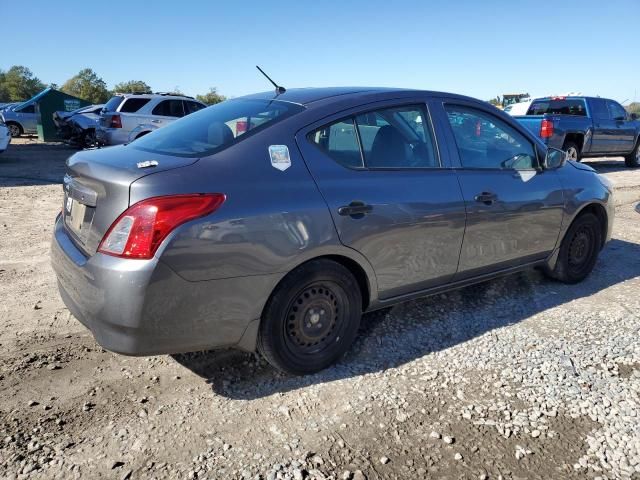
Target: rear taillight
{"points": [[116, 121], [546, 128], [241, 127], [139, 230]]}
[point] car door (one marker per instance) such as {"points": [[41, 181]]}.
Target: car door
{"points": [[624, 127], [514, 209], [390, 192], [605, 132], [28, 118]]}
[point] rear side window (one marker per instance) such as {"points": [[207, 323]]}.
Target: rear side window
{"points": [[28, 109], [486, 142], [132, 105], [213, 129], [113, 103], [192, 107], [599, 109], [339, 140], [395, 138], [560, 106], [169, 108]]}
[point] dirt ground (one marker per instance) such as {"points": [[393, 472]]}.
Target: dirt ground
{"points": [[518, 378]]}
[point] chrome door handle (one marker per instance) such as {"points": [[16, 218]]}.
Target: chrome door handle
{"points": [[355, 209]]}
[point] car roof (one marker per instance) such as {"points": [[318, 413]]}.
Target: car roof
{"points": [[308, 96]]}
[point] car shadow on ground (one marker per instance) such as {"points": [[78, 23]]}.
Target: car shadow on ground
{"points": [[607, 165], [418, 328]]}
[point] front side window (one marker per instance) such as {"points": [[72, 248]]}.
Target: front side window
{"points": [[132, 105], [28, 109], [212, 129], [486, 142], [616, 111], [394, 138]]}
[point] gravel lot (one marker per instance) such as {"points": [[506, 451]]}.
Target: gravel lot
{"points": [[520, 377]]}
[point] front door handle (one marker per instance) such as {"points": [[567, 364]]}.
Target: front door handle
{"points": [[488, 198], [355, 209]]}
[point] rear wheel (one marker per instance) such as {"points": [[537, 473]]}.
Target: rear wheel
{"points": [[311, 319], [633, 159], [573, 151], [579, 250], [15, 130]]}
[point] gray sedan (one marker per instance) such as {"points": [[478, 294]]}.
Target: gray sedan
{"points": [[272, 222]]}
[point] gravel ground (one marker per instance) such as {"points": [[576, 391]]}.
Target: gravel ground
{"points": [[520, 377]]}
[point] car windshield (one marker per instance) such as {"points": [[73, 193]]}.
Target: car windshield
{"points": [[215, 128]]}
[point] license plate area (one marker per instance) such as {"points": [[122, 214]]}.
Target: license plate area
{"points": [[76, 217]]}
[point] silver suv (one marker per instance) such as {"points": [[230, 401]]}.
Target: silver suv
{"points": [[129, 116]]}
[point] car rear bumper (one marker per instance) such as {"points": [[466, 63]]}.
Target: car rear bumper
{"points": [[142, 307], [112, 136]]}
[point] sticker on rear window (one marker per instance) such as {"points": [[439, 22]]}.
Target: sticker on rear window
{"points": [[280, 158]]}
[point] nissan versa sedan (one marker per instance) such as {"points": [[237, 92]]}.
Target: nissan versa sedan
{"points": [[271, 222]]}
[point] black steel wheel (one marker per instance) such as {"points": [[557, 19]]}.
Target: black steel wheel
{"points": [[311, 319], [579, 250]]}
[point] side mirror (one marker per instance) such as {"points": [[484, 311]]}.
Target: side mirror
{"points": [[554, 159], [634, 116]]}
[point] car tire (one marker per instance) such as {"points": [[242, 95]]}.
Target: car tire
{"points": [[311, 319], [15, 130], [633, 159], [579, 250], [89, 138], [573, 151]]}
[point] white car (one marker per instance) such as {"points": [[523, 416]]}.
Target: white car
{"points": [[518, 108], [5, 137], [126, 117]]}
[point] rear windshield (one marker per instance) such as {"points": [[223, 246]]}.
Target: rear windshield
{"points": [[113, 103], [215, 128], [561, 106]]}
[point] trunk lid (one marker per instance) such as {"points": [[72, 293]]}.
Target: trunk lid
{"points": [[97, 186]]}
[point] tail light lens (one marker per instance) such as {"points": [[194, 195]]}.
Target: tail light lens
{"points": [[546, 128], [116, 121], [139, 230]]}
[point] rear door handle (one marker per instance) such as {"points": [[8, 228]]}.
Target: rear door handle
{"points": [[488, 198], [156, 121], [355, 208]]}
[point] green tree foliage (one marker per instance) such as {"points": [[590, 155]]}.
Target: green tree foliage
{"points": [[211, 97], [18, 83], [88, 86], [132, 86], [633, 107]]}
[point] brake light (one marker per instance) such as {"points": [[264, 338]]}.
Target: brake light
{"points": [[546, 128], [241, 127], [116, 121], [139, 230]]}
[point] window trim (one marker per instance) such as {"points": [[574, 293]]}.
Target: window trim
{"points": [[534, 147], [422, 105]]}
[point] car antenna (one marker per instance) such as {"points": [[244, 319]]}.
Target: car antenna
{"points": [[279, 90]]}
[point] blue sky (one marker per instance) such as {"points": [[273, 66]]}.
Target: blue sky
{"points": [[480, 48]]}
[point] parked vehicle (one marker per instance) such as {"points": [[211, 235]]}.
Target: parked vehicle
{"points": [[585, 127], [126, 117], [5, 106], [79, 126], [5, 137], [520, 108], [272, 222], [21, 119]]}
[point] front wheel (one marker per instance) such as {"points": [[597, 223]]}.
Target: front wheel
{"points": [[573, 151], [579, 250], [633, 159], [311, 319], [14, 129]]}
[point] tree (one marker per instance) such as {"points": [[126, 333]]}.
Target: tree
{"points": [[633, 107], [132, 86], [212, 97], [18, 83], [88, 86]]}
